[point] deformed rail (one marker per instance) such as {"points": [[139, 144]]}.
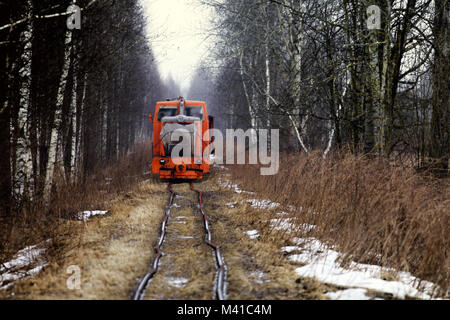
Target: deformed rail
{"points": [[221, 274], [221, 268], [143, 284]]}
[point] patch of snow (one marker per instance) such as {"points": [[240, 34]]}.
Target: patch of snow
{"points": [[252, 234], [144, 182], [282, 224], [231, 204], [174, 205], [288, 225], [305, 227], [282, 213], [86, 215], [228, 184], [16, 269], [180, 219], [177, 282], [348, 294], [186, 237], [263, 204], [221, 166], [322, 263], [289, 249], [259, 275]]}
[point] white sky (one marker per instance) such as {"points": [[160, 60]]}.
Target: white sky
{"points": [[178, 32]]}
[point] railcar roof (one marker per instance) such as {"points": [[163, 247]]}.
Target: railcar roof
{"points": [[174, 102]]}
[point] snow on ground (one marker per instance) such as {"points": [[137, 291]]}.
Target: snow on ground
{"points": [[221, 167], [180, 219], [322, 262], [289, 249], [86, 215], [177, 282], [263, 204], [25, 263], [144, 182], [258, 277], [228, 184], [231, 204], [348, 294], [282, 224], [252, 234]]}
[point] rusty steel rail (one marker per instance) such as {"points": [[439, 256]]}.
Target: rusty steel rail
{"points": [[221, 274], [143, 284]]}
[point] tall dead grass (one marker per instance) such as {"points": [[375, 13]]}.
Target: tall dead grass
{"points": [[34, 222], [374, 211]]}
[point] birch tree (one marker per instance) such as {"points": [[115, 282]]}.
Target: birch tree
{"points": [[22, 178], [440, 122]]}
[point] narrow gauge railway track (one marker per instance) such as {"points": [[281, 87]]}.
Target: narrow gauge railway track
{"points": [[221, 268]]}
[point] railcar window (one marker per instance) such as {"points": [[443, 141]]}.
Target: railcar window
{"points": [[166, 112], [195, 111]]}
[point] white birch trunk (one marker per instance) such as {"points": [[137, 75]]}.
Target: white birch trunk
{"points": [[73, 113], [53, 148], [332, 123], [250, 103], [23, 163], [294, 123], [268, 84]]}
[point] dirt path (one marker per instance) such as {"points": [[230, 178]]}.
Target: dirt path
{"points": [[116, 250]]}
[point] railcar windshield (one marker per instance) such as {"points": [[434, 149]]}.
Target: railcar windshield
{"points": [[166, 112], [194, 111]]}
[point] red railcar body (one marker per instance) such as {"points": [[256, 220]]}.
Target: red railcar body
{"points": [[170, 114]]}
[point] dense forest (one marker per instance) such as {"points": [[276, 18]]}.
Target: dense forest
{"points": [[335, 73], [71, 99], [74, 99]]}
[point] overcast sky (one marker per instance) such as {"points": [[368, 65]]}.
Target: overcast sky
{"points": [[178, 30]]}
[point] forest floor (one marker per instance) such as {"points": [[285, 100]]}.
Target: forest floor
{"points": [[115, 250]]}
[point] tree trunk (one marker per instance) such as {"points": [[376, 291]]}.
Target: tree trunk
{"points": [[440, 119], [55, 132], [23, 177]]}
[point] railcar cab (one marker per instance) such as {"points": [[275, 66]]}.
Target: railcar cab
{"points": [[170, 116]]}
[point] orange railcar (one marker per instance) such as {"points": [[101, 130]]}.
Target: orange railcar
{"points": [[170, 114]]}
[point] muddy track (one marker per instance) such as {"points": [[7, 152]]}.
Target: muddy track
{"points": [[183, 267]]}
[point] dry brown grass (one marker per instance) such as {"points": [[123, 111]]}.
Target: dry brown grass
{"points": [[112, 252], [257, 268], [33, 222], [376, 212]]}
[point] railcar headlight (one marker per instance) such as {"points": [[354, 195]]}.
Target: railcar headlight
{"points": [[162, 161]]}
